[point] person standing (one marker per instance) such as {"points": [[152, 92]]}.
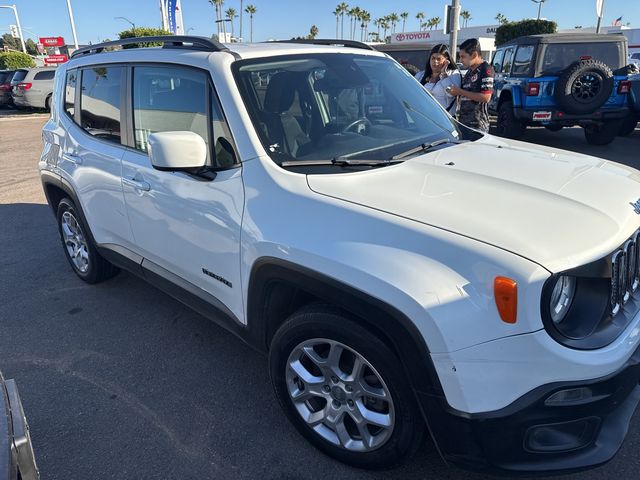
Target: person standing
{"points": [[440, 73], [477, 87]]}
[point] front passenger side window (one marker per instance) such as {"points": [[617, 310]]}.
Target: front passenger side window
{"points": [[169, 99]]}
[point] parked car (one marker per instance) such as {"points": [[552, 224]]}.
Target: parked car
{"points": [[5, 87], [32, 87], [406, 275], [631, 121], [635, 58], [560, 80], [17, 461]]}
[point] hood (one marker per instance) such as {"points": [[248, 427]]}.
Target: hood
{"points": [[557, 208]]}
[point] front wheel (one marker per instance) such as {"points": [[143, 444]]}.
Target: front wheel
{"points": [[602, 134], [78, 246], [344, 389]]}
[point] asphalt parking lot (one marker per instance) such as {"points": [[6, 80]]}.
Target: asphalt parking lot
{"points": [[120, 381]]}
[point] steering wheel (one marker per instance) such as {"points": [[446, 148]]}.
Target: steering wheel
{"points": [[364, 121]]}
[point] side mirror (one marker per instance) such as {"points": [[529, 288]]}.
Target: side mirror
{"points": [[172, 151]]}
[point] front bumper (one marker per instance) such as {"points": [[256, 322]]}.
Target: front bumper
{"points": [[533, 436], [565, 119]]}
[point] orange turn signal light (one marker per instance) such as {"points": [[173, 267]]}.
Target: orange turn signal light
{"points": [[505, 291]]}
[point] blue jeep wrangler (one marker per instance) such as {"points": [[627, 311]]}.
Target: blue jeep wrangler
{"points": [[560, 80]]}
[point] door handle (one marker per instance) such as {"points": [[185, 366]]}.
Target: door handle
{"points": [[137, 184], [71, 158]]}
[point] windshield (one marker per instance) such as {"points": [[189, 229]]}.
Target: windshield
{"points": [[328, 106], [558, 56]]}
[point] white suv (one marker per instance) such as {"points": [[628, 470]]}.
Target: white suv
{"points": [[405, 274]]}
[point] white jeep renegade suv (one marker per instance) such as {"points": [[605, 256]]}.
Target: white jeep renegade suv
{"points": [[406, 275]]}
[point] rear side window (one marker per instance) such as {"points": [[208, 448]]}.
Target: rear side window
{"points": [[46, 75], [5, 77], [169, 99], [506, 64], [100, 102], [558, 56], [522, 62], [19, 75], [70, 92]]}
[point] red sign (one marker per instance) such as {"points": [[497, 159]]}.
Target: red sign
{"points": [[55, 59], [52, 41]]}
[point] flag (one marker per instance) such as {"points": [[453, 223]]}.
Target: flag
{"points": [[617, 22]]}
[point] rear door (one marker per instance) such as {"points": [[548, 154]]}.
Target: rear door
{"points": [[41, 88], [186, 226], [498, 78], [91, 149]]}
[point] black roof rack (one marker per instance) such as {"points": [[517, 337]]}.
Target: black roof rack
{"points": [[327, 41], [168, 41]]}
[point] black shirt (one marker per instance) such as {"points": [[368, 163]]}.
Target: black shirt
{"points": [[476, 114]]}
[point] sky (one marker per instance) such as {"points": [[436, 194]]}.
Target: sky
{"points": [[285, 18]]}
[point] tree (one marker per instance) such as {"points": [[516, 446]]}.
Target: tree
{"points": [[231, 14], [337, 13], [251, 10], [143, 32], [313, 32], [466, 16], [420, 18], [32, 48], [218, 6], [436, 22], [8, 41], [15, 60], [366, 19], [501, 19], [404, 16], [344, 8], [510, 30], [385, 27], [393, 18]]}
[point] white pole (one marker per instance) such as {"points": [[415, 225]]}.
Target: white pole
{"points": [[453, 35], [15, 13], [163, 10], [73, 25]]}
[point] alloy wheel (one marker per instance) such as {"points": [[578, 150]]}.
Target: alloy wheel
{"points": [[340, 395], [75, 242]]}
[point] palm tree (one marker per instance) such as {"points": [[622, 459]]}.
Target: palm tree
{"points": [[313, 32], [385, 27], [404, 16], [251, 10], [431, 23], [420, 17], [366, 19], [231, 14], [466, 16], [215, 4], [241, 20], [344, 8], [501, 19], [378, 23], [436, 21], [354, 14], [393, 18], [337, 13]]}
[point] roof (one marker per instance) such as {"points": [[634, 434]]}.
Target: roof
{"points": [[256, 50], [566, 38]]}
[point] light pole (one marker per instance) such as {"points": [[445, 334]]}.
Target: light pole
{"points": [[73, 24], [15, 12], [133, 25], [539, 2], [453, 35], [224, 27], [599, 11]]}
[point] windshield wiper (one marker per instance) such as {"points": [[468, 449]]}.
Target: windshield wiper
{"points": [[338, 161], [425, 147]]}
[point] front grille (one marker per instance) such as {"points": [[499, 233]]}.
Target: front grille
{"points": [[625, 273]]}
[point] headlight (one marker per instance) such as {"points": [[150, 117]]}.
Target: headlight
{"points": [[561, 297]]}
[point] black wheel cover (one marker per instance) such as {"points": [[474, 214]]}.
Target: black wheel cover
{"points": [[584, 87]]}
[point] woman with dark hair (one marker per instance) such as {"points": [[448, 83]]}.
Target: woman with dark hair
{"points": [[439, 74]]}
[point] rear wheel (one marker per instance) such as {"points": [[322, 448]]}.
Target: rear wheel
{"points": [[507, 124], [602, 134], [344, 389], [628, 125], [78, 246]]}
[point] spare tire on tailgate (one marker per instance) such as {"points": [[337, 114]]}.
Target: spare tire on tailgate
{"points": [[584, 86]]}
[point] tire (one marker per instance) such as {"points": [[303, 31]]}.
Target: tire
{"points": [[507, 125], [628, 125], [47, 104], [331, 330], [554, 128], [79, 247], [602, 134], [584, 86]]}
